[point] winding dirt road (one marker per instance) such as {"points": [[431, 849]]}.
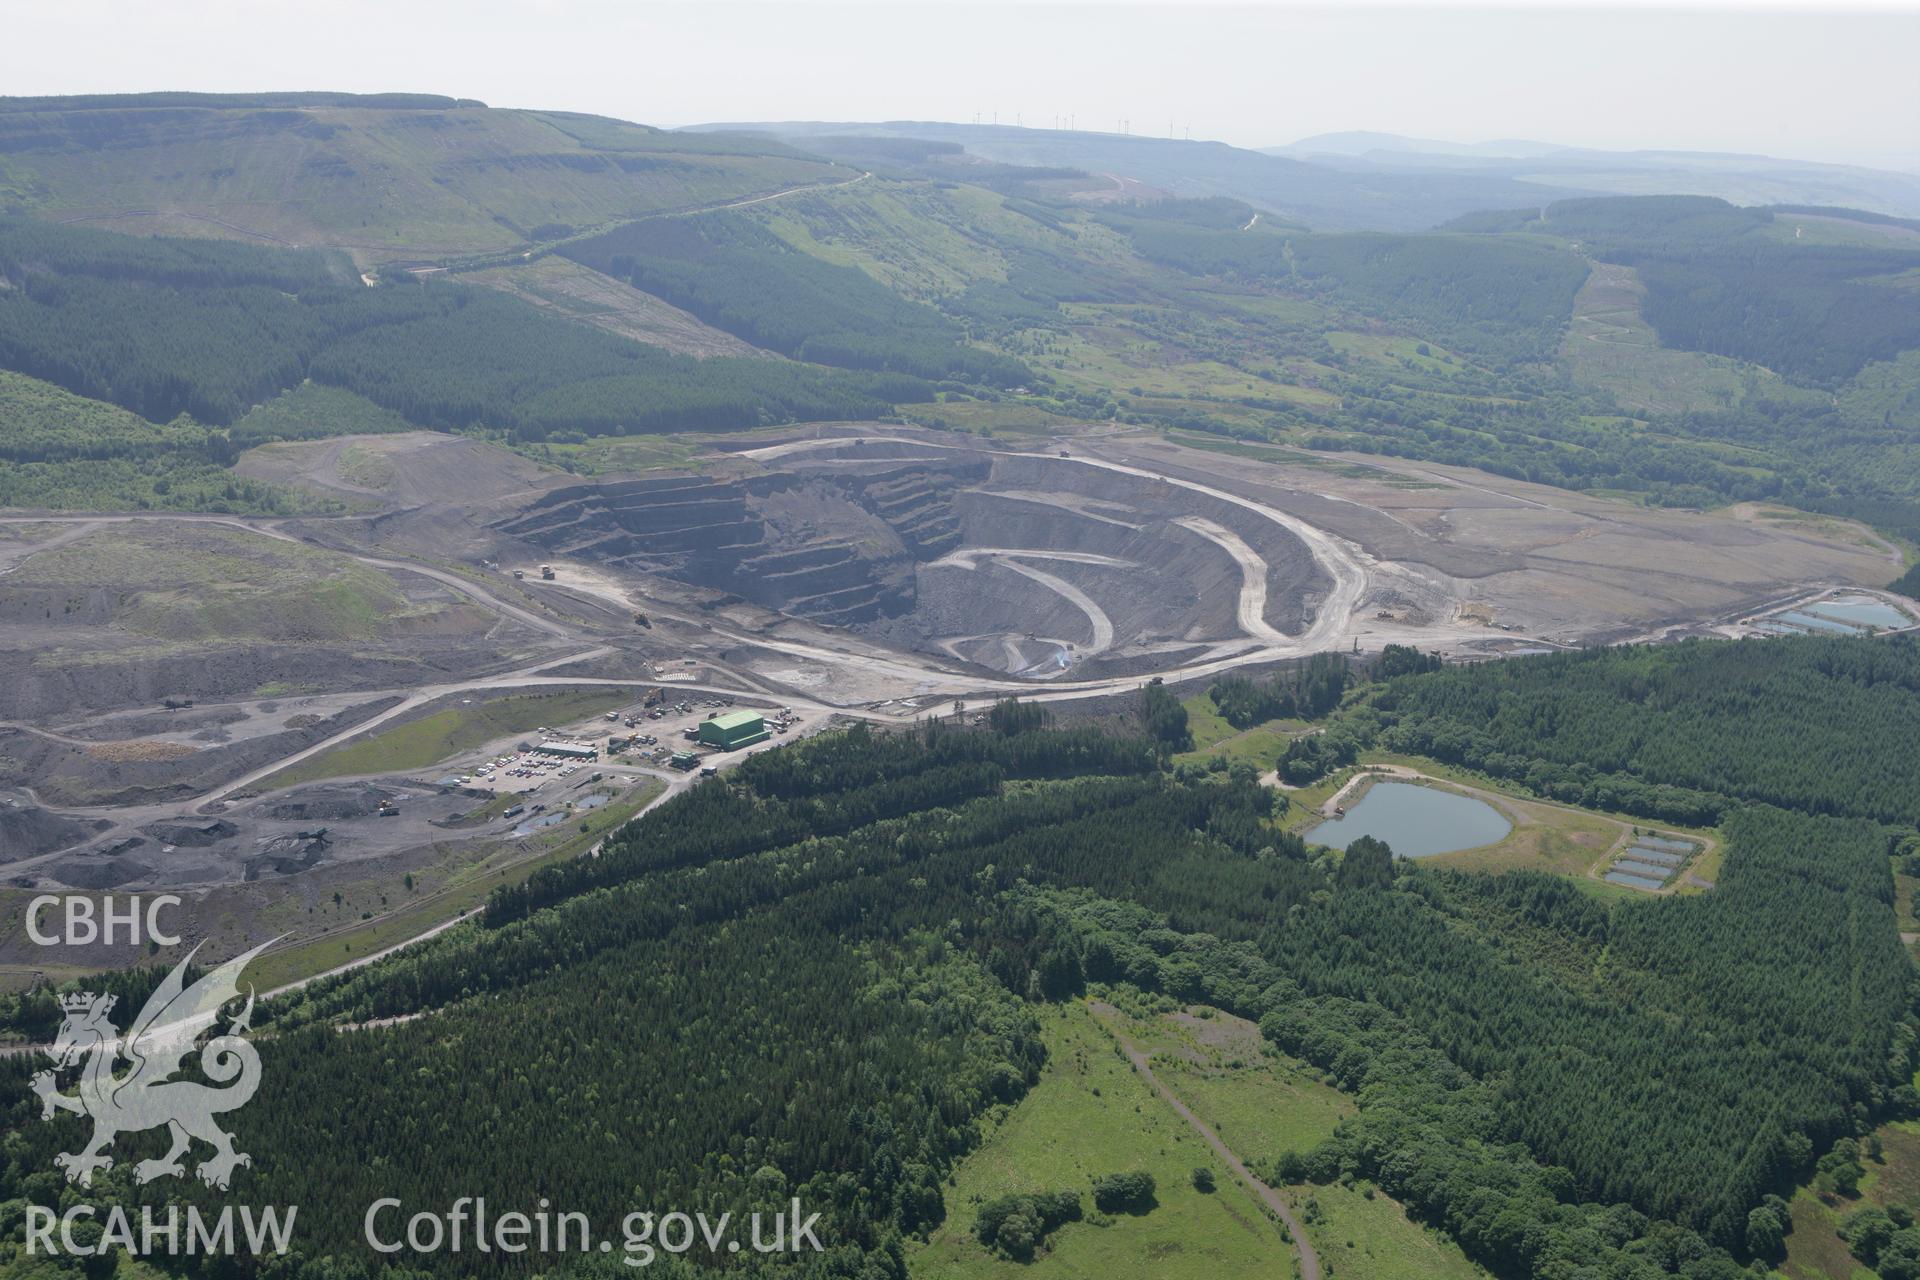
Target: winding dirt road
{"points": [[1348, 567]]}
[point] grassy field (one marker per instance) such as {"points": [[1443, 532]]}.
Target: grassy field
{"points": [[918, 240], [1398, 350], [314, 411], [190, 585], [604, 454], [1610, 347], [421, 743], [1259, 745], [1262, 1103], [460, 882], [1092, 1114], [1815, 1250], [1544, 838], [1364, 1234]]}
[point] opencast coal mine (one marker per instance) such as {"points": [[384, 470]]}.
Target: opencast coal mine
{"points": [[1023, 565]]}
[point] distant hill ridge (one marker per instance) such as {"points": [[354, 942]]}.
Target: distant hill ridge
{"points": [[227, 101], [381, 176]]}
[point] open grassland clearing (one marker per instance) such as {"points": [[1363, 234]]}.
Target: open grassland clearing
{"points": [[315, 411], [1815, 1248], [1091, 1114], [1364, 1234], [1904, 889], [198, 583], [563, 287], [1401, 351], [919, 240], [1109, 349], [442, 734], [1103, 353], [1258, 745], [604, 455], [1262, 1103], [1610, 347], [1259, 1101]]}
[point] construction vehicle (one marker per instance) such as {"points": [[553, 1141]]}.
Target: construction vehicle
{"points": [[519, 575], [546, 573]]}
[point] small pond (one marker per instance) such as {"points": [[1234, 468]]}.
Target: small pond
{"points": [[1416, 821]]}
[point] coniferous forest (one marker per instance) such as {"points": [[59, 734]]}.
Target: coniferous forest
{"points": [[780, 412], [204, 330], [811, 976]]}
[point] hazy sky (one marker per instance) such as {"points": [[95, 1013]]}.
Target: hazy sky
{"points": [[1812, 82]]}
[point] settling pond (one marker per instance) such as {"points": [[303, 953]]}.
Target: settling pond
{"points": [[1416, 821]]}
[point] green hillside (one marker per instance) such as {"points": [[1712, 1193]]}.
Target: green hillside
{"points": [[1690, 351], [383, 176], [203, 331], [1681, 348]]}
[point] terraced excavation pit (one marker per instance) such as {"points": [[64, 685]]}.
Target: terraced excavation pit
{"points": [[1024, 564]]}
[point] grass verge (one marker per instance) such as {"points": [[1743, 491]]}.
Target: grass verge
{"points": [[439, 735]]}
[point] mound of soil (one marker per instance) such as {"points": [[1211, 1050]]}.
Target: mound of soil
{"points": [[93, 872], [285, 856], [338, 803], [27, 831], [192, 835]]}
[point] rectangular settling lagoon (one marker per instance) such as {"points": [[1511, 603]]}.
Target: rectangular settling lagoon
{"points": [[1634, 867], [1862, 611], [1661, 856], [1813, 622]]}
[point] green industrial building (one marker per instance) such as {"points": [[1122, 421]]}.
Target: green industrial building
{"points": [[734, 730]]}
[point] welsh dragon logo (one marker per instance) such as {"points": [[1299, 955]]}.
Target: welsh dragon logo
{"points": [[157, 1044]]}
